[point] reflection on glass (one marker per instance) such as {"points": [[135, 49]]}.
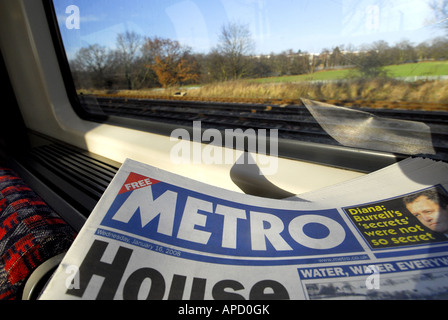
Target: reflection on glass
{"points": [[276, 49]]}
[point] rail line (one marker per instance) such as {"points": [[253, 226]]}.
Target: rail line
{"points": [[293, 121], [372, 104]]}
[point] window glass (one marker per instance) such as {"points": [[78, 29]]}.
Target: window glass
{"points": [[284, 64]]}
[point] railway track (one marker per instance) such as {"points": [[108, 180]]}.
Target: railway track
{"points": [[371, 104], [293, 121]]}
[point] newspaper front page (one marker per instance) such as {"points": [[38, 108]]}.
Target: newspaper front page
{"points": [[156, 235]]}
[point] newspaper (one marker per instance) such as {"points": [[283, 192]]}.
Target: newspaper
{"points": [[157, 235]]}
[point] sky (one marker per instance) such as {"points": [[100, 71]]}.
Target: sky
{"points": [[275, 25]]}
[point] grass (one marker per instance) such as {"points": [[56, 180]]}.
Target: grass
{"points": [[432, 68], [320, 75], [422, 94], [376, 89], [429, 68], [289, 89]]}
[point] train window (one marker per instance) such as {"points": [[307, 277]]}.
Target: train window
{"points": [[367, 74]]}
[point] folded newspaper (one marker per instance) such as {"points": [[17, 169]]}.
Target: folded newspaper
{"points": [[157, 235]]}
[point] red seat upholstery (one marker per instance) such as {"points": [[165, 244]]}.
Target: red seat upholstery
{"points": [[30, 233]]}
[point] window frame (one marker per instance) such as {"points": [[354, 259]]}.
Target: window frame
{"points": [[337, 156]]}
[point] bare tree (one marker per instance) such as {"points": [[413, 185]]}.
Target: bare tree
{"points": [[96, 61], [406, 51], [235, 45], [440, 12], [215, 66], [439, 48], [128, 46]]}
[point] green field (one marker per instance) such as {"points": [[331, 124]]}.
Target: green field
{"points": [[432, 68], [436, 68]]}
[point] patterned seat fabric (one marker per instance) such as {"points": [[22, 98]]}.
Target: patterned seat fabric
{"points": [[30, 233]]}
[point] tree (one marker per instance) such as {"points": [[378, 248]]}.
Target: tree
{"points": [[406, 51], [440, 12], [386, 54], [261, 67], [171, 61], [95, 62], [336, 58], [281, 63], [300, 63], [215, 66], [370, 65], [235, 46], [324, 58], [170, 73], [423, 51], [128, 45], [439, 48]]}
